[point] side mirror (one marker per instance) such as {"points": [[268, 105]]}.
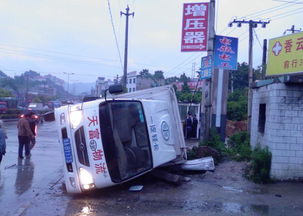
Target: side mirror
{"points": [[115, 89]]}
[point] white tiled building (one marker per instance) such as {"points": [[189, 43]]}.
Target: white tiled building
{"points": [[131, 81], [277, 122]]}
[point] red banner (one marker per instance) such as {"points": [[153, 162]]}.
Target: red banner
{"points": [[195, 27]]}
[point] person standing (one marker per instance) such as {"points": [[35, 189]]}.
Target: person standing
{"points": [[24, 135], [195, 125], [189, 125], [2, 141]]}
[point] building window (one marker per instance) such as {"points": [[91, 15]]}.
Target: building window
{"points": [[129, 90], [134, 81], [134, 89], [130, 81], [262, 118]]}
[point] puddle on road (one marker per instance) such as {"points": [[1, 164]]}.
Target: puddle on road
{"points": [[237, 208]]}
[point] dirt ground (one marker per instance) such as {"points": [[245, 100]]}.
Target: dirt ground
{"points": [[223, 192]]}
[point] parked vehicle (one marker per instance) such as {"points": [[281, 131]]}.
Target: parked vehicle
{"points": [[3, 107], [110, 141]]}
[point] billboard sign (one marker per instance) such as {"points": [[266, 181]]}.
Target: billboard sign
{"points": [[206, 67], [285, 55], [226, 53], [195, 27]]}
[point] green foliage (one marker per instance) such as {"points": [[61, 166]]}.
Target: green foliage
{"points": [[192, 154], [184, 78], [215, 142], [185, 87], [239, 146], [158, 75], [5, 93], [240, 76], [261, 164], [237, 105]]}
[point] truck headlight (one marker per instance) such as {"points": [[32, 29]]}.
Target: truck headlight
{"points": [[75, 118], [86, 179]]}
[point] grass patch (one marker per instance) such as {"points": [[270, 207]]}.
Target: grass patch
{"points": [[259, 171], [239, 147]]}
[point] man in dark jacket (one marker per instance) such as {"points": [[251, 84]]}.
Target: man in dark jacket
{"points": [[24, 135]]}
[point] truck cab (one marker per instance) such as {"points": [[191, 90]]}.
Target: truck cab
{"points": [[108, 142]]}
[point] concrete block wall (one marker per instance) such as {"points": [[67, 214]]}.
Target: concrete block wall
{"points": [[283, 133]]}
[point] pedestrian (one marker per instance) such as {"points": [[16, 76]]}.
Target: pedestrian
{"points": [[24, 135], [33, 125], [195, 125], [189, 125], [2, 141]]}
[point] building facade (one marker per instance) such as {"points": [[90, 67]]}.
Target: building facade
{"points": [[277, 123], [131, 81]]}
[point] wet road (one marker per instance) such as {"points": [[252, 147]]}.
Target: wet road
{"points": [[21, 181], [34, 187]]}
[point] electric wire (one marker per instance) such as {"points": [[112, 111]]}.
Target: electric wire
{"points": [[258, 39], [268, 10], [298, 10], [114, 31]]}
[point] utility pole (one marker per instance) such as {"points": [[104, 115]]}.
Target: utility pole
{"points": [[209, 84], [127, 14], [292, 30], [68, 74], [252, 24], [26, 93], [264, 58]]}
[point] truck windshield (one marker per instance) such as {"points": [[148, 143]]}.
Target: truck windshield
{"points": [[125, 139]]}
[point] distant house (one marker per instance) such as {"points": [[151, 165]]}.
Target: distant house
{"points": [[131, 81], [193, 84], [101, 85], [277, 123]]}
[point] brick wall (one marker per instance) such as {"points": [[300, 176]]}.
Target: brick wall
{"points": [[283, 132]]}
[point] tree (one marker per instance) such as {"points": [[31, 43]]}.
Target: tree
{"points": [[145, 73], [237, 105], [240, 76], [5, 93], [185, 87], [184, 78], [158, 75], [171, 80]]}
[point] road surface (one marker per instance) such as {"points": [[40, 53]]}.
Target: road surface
{"points": [[34, 187]]}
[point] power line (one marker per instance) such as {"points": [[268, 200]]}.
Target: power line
{"points": [[279, 16], [258, 39], [114, 31], [268, 10], [293, 2], [188, 59]]}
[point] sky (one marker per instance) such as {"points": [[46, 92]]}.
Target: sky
{"points": [[76, 36]]}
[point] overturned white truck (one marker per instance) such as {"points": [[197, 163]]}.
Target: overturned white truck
{"points": [[110, 141]]}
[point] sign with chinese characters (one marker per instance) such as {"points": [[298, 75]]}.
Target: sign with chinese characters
{"points": [[154, 135], [226, 53], [285, 55], [206, 67], [97, 153], [194, 27]]}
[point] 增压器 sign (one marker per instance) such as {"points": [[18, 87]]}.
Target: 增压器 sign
{"points": [[194, 27]]}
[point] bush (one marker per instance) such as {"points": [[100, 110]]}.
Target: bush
{"points": [[260, 165], [237, 105], [215, 142], [239, 146]]}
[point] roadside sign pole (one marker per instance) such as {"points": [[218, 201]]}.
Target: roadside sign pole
{"points": [[209, 83], [219, 98]]}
